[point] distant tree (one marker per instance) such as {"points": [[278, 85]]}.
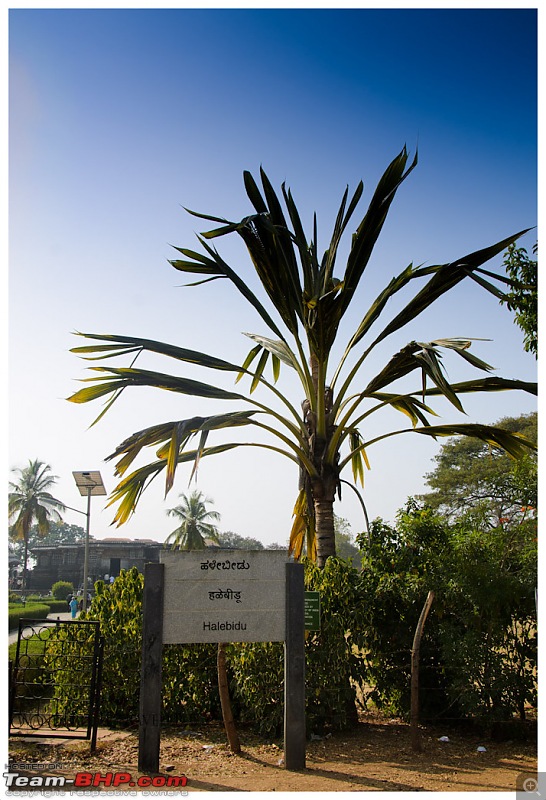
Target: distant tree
{"points": [[523, 296], [345, 544], [64, 533], [233, 541], [473, 479], [29, 502], [59, 533], [228, 539], [196, 523]]}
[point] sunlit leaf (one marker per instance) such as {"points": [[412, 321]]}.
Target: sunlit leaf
{"points": [[514, 444]]}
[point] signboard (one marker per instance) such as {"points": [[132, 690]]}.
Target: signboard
{"points": [[312, 611], [224, 596]]}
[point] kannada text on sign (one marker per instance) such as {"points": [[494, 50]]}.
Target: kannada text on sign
{"points": [[233, 595]]}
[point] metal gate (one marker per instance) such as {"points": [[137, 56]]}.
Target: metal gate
{"points": [[55, 680]]}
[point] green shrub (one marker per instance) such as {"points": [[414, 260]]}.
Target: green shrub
{"points": [[189, 686], [334, 654], [478, 653], [469, 666], [334, 661], [62, 589], [54, 605], [28, 611], [257, 684], [57, 606], [190, 683]]}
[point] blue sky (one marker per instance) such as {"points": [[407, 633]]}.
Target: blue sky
{"points": [[120, 118]]}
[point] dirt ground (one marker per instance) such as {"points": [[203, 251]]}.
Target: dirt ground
{"points": [[376, 756]]}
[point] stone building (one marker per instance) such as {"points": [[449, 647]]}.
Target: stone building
{"points": [[65, 562]]}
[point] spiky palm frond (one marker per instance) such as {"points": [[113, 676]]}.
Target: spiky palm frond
{"points": [[309, 301]]}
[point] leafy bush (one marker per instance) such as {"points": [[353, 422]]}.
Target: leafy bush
{"points": [[54, 605], [62, 589], [190, 688], [57, 606], [334, 654], [189, 672], [190, 683], [257, 684], [478, 653], [334, 660]]}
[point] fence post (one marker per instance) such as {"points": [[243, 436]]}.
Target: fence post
{"points": [[414, 712], [294, 669], [150, 677]]}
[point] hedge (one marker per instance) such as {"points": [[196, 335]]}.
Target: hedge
{"points": [[28, 611]]}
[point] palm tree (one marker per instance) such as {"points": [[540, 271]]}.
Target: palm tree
{"points": [[323, 432], [29, 502], [195, 523]]}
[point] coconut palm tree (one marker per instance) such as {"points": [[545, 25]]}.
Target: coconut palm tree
{"points": [[323, 431], [30, 503], [195, 523]]}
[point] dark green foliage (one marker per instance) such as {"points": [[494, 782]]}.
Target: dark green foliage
{"points": [[522, 298], [334, 655], [489, 636], [62, 589], [333, 659], [483, 485], [400, 565], [27, 611], [478, 654], [233, 541], [257, 684], [190, 684], [55, 606], [189, 672]]}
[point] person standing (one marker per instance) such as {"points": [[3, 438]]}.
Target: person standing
{"points": [[73, 607]]}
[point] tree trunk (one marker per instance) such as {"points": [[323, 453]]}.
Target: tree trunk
{"points": [[414, 714], [25, 568], [223, 688], [324, 522]]}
